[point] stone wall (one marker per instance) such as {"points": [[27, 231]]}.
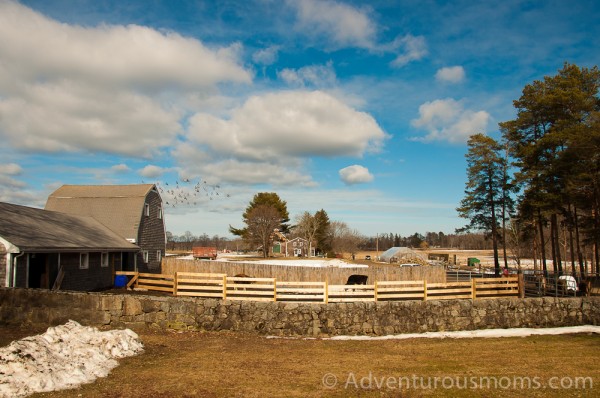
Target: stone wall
{"points": [[41, 308]]}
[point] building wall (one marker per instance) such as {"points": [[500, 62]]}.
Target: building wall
{"points": [[3, 260], [95, 277], [152, 235], [42, 308]]}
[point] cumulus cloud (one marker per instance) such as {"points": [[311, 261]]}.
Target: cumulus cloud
{"points": [[341, 24], [451, 74], [10, 186], [269, 137], [99, 88], [120, 168], [11, 169], [411, 48], [355, 174], [448, 120], [266, 56], [197, 160], [291, 123], [151, 171], [313, 75]]}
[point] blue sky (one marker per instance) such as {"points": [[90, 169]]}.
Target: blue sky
{"points": [[359, 108]]}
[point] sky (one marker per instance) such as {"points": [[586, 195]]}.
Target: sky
{"points": [[362, 109]]}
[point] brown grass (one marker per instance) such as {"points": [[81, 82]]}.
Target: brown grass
{"points": [[238, 365]]}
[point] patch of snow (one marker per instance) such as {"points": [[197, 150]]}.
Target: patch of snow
{"points": [[290, 262], [320, 263], [485, 333], [63, 357]]}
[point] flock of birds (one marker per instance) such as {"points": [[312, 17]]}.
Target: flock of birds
{"points": [[184, 193]]}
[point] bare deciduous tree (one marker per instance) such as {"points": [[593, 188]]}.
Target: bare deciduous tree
{"points": [[307, 226], [344, 239]]}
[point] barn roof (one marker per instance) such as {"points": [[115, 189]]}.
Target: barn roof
{"points": [[38, 230], [119, 207]]}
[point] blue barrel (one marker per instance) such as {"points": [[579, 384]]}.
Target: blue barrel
{"points": [[120, 280]]}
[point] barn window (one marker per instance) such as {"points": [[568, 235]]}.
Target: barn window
{"points": [[158, 255], [104, 259], [145, 255], [146, 209], [84, 260], [160, 215]]}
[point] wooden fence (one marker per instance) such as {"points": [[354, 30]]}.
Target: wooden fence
{"points": [[221, 286], [333, 275]]}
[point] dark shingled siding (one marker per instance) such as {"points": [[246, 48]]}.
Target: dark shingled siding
{"points": [[151, 235]]}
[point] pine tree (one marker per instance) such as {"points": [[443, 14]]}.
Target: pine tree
{"points": [[482, 203]]}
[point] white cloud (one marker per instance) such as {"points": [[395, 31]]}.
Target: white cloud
{"points": [[120, 168], [313, 75], [11, 169], [9, 186], [355, 174], [266, 56], [451, 74], [151, 171], [291, 123], [340, 23], [412, 48], [113, 89], [447, 120], [35, 46], [269, 138]]}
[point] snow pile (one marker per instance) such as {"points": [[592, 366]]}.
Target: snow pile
{"points": [[63, 357]]}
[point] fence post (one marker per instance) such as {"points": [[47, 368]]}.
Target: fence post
{"points": [[375, 293], [175, 284], [274, 289], [425, 290], [224, 286], [521, 277], [474, 288], [326, 298]]}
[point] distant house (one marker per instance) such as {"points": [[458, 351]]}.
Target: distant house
{"points": [[47, 249], [296, 247], [134, 212]]}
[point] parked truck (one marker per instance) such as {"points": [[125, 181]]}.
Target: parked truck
{"points": [[205, 252]]}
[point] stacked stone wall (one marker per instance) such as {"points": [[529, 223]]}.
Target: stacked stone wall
{"points": [[41, 308]]}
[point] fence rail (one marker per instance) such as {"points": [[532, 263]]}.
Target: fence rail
{"points": [[159, 282], [221, 286]]}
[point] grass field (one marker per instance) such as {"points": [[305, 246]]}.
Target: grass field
{"points": [[238, 365]]}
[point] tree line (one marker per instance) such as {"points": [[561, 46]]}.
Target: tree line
{"points": [[266, 219], [537, 189]]}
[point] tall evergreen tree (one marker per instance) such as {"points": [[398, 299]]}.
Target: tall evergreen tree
{"points": [[550, 142], [482, 203], [323, 236]]}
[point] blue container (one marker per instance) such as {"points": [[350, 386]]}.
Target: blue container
{"points": [[120, 280]]}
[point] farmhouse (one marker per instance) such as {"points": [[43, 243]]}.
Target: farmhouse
{"points": [[47, 249], [297, 247], [134, 212]]}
